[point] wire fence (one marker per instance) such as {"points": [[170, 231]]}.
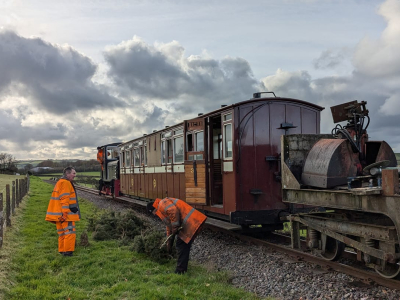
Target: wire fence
{"points": [[10, 198]]}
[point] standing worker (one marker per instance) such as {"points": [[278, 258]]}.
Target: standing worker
{"points": [[181, 220], [63, 210]]}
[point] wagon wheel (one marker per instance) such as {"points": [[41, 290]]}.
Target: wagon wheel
{"points": [[390, 271], [333, 249]]}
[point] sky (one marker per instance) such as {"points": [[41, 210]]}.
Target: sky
{"points": [[75, 75]]}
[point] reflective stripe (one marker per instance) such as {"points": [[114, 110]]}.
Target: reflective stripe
{"points": [[65, 207], [54, 214], [69, 232], [74, 198], [55, 198], [65, 194], [175, 223], [73, 205], [172, 204], [187, 216]]}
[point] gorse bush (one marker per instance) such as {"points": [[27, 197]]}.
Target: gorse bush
{"points": [[110, 225], [149, 242]]}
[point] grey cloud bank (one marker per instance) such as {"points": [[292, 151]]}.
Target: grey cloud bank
{"points": [[56, 104]]}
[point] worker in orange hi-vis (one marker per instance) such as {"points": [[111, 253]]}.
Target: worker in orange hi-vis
{"points": [[63, 210], [182, 220], [100, 156]]}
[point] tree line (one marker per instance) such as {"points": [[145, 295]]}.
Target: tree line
{"points": [[53, 166], [8, 165]]}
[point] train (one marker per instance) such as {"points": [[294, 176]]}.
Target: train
{"points": [[263, 162]]}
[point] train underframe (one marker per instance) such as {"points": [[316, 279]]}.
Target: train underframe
{"points": [[368, 224], [109, 188]]}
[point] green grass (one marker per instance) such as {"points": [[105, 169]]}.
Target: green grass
{"points": [[103, 270], [8, 179]]}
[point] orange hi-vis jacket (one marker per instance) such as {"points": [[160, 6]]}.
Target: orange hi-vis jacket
{"points": [[100, 157], [62, 199], [176, 213]]}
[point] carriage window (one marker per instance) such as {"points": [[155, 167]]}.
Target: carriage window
{"points": [[228, 141], [127, 158], [195, 143], [123, 159], [200, 141], [145, 155], [163, 152], [169, 151], [227, 117], [172, 147], [136, 157], [178, 149], [189, 143], [179, 131]]}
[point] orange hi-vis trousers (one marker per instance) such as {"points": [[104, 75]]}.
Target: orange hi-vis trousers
{"points": [[66, 236]]}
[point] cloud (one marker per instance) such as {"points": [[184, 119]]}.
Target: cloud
{"points": [[330, 59], [163, 72], [381, 57], [55, 78], [375, 77]]}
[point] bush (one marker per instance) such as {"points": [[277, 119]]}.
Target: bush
{"points": [[149, 243], [115, 226]]}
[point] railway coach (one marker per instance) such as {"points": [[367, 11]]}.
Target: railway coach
{"points": [[225, 162]]}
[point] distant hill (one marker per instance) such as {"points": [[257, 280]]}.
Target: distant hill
{"points": [[22, 163]]}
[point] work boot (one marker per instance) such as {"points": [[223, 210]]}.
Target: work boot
{"points": [[180, 272], [68, 253], [62, 253]]}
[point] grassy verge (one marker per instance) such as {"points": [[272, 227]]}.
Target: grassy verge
{"points": [[31, 267]]}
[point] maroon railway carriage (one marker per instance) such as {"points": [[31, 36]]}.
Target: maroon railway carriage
{"points": [[226, 162]]}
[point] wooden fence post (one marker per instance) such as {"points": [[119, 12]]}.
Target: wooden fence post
{"points": [[25, 185], [21, 184], [8, 205], [17, 190], [16, 199], [13, 198], [1, 220]]}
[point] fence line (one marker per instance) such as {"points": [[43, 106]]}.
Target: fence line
{"points": [[20, 188]]}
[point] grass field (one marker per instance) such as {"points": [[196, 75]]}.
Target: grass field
{"points": [[8, 179], [95, 175], [31, 268]]}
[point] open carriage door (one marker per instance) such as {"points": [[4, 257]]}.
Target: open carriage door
{"points": [[196, 161]]}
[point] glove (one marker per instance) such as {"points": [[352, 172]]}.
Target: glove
{"points": [[169, 245], [73, 209], [63, 218], [175, 230]]}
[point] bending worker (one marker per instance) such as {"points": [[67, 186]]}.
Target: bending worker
{"points": [[63, 210], [181, 220]]}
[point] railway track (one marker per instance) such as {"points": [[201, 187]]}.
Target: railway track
{"points": [[366, 276]]}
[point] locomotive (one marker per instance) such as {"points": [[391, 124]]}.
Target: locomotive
{"points": [[262, 162]]}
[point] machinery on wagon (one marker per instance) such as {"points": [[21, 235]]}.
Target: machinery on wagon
{"points": [[262, 162], [355, 180]]}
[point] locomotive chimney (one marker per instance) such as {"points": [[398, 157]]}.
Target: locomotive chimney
{"points": [[199, 114], [223, 105]]}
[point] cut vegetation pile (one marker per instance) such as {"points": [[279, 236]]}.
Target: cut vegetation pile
{"points": [[128, 228], [149, 243]]}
